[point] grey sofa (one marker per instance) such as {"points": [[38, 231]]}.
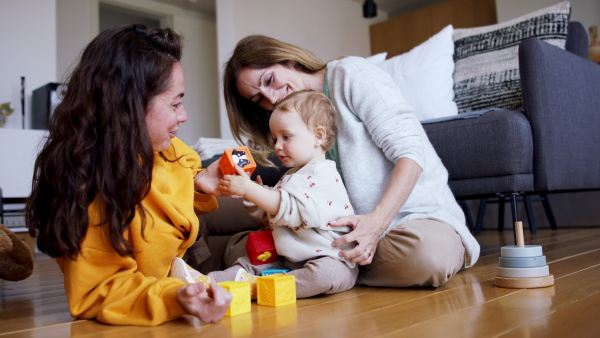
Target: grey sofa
{"points": [[552, 146]]}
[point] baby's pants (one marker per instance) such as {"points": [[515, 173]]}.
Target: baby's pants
{"points": [[323, 275]]}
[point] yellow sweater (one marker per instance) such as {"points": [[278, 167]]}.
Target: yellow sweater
{"points": [[136, 290]]}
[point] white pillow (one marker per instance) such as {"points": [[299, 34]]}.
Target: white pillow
{"points": [[377, 58], [424, 75]]}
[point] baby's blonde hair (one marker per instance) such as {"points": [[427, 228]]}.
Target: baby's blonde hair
{"points": [[316, 111]]}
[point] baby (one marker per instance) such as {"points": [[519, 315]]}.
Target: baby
{"points": [[303, 202]]}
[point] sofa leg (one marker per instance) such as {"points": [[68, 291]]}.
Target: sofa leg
{"points": [[515, 213], [501, 213], [480, 214], [549, 212], [469, 219], [530, 216]]}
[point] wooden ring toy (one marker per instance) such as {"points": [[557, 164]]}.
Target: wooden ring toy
{"points": [[539, 271], [525, 251], [525, 283], [522, 262]]}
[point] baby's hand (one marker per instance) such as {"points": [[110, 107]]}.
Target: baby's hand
{"points": [[236, 185]]}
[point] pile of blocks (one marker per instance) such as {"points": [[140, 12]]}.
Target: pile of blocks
{"points": [[272, 290]]}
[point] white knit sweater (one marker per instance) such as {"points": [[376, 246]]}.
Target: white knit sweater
{"points": [[376, 127]]}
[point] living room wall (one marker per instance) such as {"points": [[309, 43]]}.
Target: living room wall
{"points": [[29, 50], [585, 11], [77, 25]]}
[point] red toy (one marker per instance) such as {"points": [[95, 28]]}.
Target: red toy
{"points": [[261, 247], [237, 156]]}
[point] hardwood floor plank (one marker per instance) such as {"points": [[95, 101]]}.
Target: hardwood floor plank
{"points": [[579, 319], [506, 313]]}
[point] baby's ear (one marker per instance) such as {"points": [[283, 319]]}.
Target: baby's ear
{"points": [[320, 134]]}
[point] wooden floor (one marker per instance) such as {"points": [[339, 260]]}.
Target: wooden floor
{"points": [[470, 305]]}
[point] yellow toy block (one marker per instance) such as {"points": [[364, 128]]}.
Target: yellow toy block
{"points": [[241, 297], [276, 290]]}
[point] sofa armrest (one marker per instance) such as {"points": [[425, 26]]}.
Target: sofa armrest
{"points": [[562, 102]]}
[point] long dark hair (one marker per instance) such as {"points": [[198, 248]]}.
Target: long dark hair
{"points": [[246, 118], [98, 146]]}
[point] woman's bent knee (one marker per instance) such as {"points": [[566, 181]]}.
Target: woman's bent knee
{"points": [[416, 253]]}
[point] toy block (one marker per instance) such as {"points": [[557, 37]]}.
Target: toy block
{"points": [[239, 156], [523, 266], [273, 271], [276, 290], [241, 297], [261, 247]]}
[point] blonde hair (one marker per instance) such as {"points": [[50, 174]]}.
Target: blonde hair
{"points": [[246, 118], [315, 109]]}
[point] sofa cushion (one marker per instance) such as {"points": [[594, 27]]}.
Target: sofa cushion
{"points": [[494, 146], [487, 67]]}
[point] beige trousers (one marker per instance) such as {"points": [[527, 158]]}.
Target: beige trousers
{"points": [[423, 252]]}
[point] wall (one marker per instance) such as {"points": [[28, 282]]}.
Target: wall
{"points": [[585, 11], [78, 25], [328, 28], [29, 50], [200, 65]]}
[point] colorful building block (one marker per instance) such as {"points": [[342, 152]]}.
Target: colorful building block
{"points": [[241, 301], [261, 247], [276, 290], [239, 156], [273, 271]]}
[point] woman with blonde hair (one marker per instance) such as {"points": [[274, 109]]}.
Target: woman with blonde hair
{"points": [[408, 229]]}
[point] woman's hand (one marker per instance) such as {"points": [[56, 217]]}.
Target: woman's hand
{"points": [[366, 232], [209, 306], [208, 180]]}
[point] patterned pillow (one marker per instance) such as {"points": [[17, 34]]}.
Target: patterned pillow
{"points": [[486, 58]]}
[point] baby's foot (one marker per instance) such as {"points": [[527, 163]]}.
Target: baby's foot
{"points": [[243, 276], [186, 273]]}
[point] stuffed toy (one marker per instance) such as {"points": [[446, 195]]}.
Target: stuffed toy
{"points": [[16, 260]]}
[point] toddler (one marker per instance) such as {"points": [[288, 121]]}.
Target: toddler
{"points": [[301, 205]]}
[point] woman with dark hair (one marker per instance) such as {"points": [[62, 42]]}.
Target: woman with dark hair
{"points": [[113, 189], [409, 229]]}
